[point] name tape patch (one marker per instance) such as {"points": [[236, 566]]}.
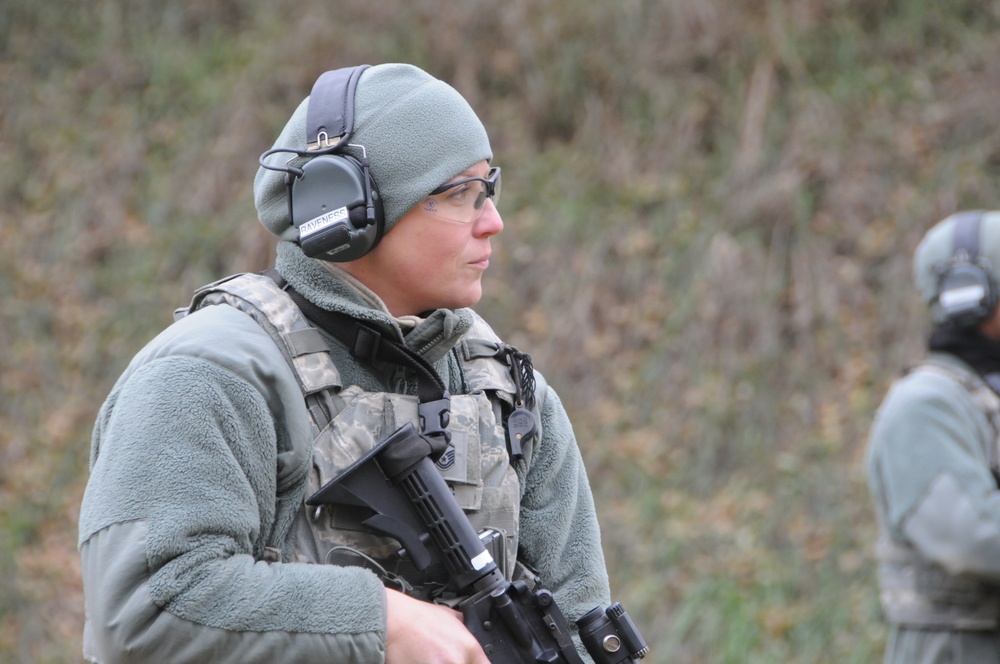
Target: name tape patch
{"points": [[322, 222]]}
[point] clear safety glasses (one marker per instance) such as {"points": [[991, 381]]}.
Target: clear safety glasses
{"points": [[464, 200]]}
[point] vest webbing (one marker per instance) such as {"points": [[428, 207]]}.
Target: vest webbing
{"points": [[488, 367], [369, 345]]}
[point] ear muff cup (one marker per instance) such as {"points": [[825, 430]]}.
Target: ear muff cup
{"points": [[967, 291], [336, 207], [332, 198]]}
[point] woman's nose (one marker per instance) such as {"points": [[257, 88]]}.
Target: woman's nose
{"points": [[490, 223]]}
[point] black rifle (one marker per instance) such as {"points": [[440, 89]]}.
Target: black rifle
{"points": [[514, 622]]}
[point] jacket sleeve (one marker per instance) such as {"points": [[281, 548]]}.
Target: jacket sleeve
{"points": [[559, 532], [178, 509], [929, 469]]}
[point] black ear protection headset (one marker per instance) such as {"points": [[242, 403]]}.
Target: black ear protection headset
{"points": [[332, 198], [967, 290]]}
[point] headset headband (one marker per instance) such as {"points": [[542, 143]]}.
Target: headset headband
{"points": [[331, 108], [967, 226]]}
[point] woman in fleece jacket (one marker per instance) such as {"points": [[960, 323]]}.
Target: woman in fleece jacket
{"points": [[196, 542]]}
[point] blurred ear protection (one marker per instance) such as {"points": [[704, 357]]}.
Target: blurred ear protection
{"points": [[967, 291], [332, 199]]}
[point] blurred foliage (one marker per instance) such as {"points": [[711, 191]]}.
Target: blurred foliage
{"points": [[710, 208]]}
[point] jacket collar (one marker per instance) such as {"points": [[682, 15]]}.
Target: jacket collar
{"points": [[333, 289]]}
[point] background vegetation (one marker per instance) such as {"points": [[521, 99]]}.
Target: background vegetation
{"points": [[710, 209]]}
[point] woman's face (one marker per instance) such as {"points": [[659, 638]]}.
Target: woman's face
{"points": [[428, 261]]}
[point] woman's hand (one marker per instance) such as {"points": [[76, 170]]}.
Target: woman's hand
{"points": [[423, 633]]}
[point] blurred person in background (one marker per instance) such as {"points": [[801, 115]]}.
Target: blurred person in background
{"points": [[195, 540], [933, 459]]}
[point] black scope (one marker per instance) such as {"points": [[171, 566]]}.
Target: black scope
{"points": [[610, 636]]}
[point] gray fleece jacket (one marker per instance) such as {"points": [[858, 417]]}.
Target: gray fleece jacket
{"points": [[199, 462], [938, 507]]}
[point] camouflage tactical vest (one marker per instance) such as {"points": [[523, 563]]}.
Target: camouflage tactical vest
{"points": [[919, 594], [348, 421]]}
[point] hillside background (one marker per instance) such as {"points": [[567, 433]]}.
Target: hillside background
{"points": [[710, 207]]}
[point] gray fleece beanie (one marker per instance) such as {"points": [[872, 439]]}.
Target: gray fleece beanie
{"points": [[418, 133]]}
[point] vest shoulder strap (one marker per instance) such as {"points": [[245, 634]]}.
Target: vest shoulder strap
{"points": [[479, 353], [303, 345], [982, 395]]}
